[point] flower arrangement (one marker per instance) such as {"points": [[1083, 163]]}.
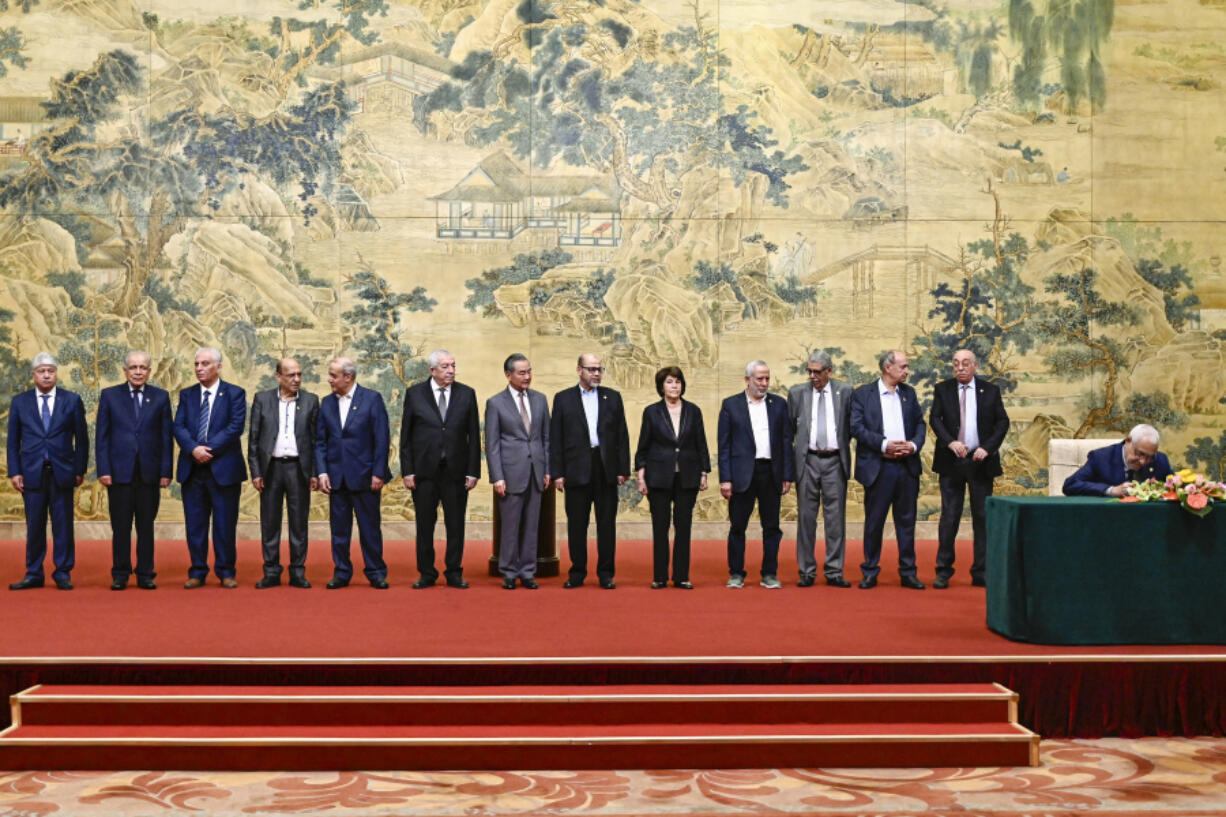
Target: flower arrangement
{"points": [[1195, 492]]}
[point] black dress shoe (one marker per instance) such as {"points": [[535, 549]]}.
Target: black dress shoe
{"points": [[64, 585], [379, 584], [146, 584], [422, 584], [658, 585], [458, 584], [868, 582], [299, 583], [508, 584], [571, 584], [609, 585], [837, 581], [683, 585], [806, 581], [268, 581], [940, 583], [529, 583], [911, 583], [118, 585], [337, 584], [27, 583], [979, 583]]}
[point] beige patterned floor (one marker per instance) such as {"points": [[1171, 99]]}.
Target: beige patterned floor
{"points": [[1153, 776]]}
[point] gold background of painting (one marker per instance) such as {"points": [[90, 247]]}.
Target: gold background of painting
{"points": [[1150, 154]]}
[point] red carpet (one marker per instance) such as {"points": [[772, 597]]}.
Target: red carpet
{"points": [[486, 621]]}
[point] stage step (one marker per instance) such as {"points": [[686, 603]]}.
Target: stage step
{"points": [[514, 727]]}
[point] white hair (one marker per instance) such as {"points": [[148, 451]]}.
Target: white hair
{"points": [[1144, 433], [436, 356], [43, 359], [127, 359], [211, 351], [348, 367], [753, 364]]}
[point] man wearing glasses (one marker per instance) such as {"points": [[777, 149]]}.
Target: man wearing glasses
{"points": [[589, 459], [820, 413]]}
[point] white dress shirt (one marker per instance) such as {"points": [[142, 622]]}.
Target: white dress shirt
{"points": [[832, 441], [50, 403], [892, 426], [759, 420], [527, 404], [591, 409], [287, 442], [970, 432], [343, 402]]}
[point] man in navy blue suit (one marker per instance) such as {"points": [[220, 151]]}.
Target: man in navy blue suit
{"points": [[48, 452], [351, 443], [888, 424], [1108, 471], [755, 465], [133, 448], [209, 427]]}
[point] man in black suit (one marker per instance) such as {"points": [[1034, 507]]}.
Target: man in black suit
{"points": [[755, 466], [440, 460], [969, 420], [281, 453], [589, 458], [888, 425], [134, 451], [48, 452], [1109, 471]]}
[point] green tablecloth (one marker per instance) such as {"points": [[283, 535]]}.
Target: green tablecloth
{"points": [[1083, 570]]}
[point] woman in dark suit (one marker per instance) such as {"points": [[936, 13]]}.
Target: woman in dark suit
{"points": [[672, 463]]}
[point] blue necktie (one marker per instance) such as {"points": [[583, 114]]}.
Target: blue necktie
{"points": [[46, 412], [136, 401], [202, 430]]}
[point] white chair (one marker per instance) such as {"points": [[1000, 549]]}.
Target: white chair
{"points": [[1064, 457]]}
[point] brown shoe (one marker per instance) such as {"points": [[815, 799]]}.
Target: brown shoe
{"points": [[191, 584], [229, 583]]}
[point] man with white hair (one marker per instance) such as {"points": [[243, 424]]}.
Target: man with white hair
{"points": [[1109, 470], [755, 467], [209, 426], [48, 452]]}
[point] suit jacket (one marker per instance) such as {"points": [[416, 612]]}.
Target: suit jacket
{"points": [[1104, 468], [867, 428], [227, 420], [65, 442], [122, 439], [946, 421], [737, 450], [800, 412], [426, 441], [353, 455], [513, 454], [570, 446], [266, 425], [664, 454]]}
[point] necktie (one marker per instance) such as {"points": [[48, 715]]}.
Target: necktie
{"points": [[442, 403], [46, 412], [136, 398], [962, 411], [822, 445], [523, 414], [202, 430]]}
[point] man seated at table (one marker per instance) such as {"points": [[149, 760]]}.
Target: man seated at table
{"points": [[1108, 471]]}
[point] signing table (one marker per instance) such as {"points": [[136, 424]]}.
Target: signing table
{"points": [[1084, 570]]}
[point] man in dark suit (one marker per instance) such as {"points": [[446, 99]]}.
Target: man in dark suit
{"points": [[440, 460], [134, 449], [755, 466], [820, 414], [589, 458], [1108, 471], [351, 442], [281, 453], [969, 420], [888, 424], [209, 427], [48, 452], [517, 450]]}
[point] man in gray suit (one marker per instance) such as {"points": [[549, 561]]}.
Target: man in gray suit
{"points": [[517, 450], [820, 412], [281, 453]]}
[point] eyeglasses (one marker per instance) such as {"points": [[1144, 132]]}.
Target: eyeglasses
{"points": [[593, 369], [818, 371]]}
